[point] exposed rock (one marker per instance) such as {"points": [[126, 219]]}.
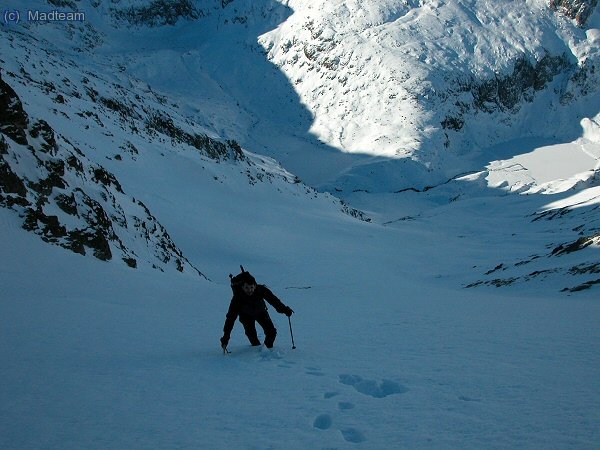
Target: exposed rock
{"points": [[13, 119], [585, 269], [73, 203], [3, 146], [505, 93], [583, 286], [578, 10], [10, 183], [63, 3], [579, 244], [210, 147], [94, 239], [106, 178], [119, 107], [159, 12], [67, 203], [43, 130]]}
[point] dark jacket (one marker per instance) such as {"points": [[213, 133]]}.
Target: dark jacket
{"points": [[251, 306]]}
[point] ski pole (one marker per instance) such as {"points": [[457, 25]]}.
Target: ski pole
{"points": [[291, 333]]}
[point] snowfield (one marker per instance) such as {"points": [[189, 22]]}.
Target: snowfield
{"points": [[444, 296], [96, 355]]}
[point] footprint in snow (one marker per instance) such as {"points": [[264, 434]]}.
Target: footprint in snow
{"points": [[344, 406], [372, 387], [352, 435], [266, 354], [314, 371], [323, 422]]}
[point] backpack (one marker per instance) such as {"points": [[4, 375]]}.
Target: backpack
{"points": [[239, 280]]}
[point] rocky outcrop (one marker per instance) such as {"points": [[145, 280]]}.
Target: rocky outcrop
{"points": [[159, 13], [504, 93], [212, 148], [71, 202], [13, 120], [573, 262], [578, 10], [135, 115], [579, 244]]}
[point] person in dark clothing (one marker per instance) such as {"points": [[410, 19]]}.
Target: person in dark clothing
{"points": [[248, 303]]}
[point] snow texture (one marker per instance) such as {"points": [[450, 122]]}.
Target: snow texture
{"points": [[437, 240]]}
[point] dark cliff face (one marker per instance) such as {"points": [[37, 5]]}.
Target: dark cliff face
{"points": [[159, 13], [13, 120], [578, 10], [503, 94]]}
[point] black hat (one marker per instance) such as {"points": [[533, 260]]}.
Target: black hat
{"points": [[246, 278], [242, 278]]}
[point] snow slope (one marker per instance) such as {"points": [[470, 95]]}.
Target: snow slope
{"points": [[387, 355], [462, 315]]}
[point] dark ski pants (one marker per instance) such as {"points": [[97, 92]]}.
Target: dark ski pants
{"points": [[266, 324]]}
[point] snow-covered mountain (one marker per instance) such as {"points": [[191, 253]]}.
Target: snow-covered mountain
{"points": [[438, 80], [375, 97], [69, 201], [54, 176], [418, 180]]}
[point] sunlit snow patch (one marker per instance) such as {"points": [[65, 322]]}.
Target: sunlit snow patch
{"points": [[546, 170]]}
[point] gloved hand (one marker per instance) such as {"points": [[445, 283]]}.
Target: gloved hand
{"points": [[224, 342], [288, 311]]}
